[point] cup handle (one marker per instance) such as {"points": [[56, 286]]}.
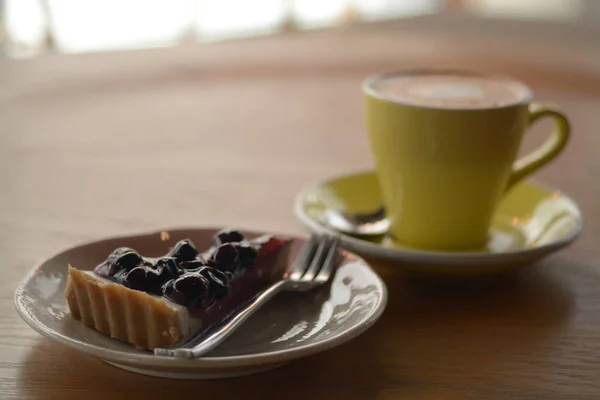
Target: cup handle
{"points": [[549, 149]]}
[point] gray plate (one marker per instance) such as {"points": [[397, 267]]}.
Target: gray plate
{"points": [[291, 326]]}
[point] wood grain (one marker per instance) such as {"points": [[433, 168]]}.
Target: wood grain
{"points": [[227, 134]]}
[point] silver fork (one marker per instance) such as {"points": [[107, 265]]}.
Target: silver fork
{"points": [[312, 267]]}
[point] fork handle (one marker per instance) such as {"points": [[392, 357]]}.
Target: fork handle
{"points": [[222, 332]]}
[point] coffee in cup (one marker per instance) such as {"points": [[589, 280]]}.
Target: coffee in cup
{"points": [[445, 145], [451, 91]]}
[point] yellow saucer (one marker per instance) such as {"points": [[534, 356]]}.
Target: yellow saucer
{"points": [[531, 222]]}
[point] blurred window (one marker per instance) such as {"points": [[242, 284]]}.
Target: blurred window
{"points": [[29, 27]]}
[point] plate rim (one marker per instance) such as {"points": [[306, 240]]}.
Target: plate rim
{"points": [[441, 257], [149, 359]]}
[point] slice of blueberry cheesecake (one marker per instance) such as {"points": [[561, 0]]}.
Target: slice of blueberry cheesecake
{"points": [[155, 302]]}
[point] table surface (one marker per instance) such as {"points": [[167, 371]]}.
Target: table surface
{"points": [[227, 134]]}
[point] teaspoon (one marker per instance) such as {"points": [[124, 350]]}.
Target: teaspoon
{"points": [[358, 224]]}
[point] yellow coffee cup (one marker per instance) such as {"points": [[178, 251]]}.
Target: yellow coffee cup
{"points": [[445, 145]]}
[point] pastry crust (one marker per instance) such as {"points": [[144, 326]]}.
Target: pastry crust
{"points": [[129, 315]]}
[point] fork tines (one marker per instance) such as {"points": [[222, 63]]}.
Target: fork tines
{"points": [[316, 260]]}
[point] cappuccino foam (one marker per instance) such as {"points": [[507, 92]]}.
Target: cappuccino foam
{"points": [[450, 91]]}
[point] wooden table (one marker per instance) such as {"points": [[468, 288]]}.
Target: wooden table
{"points": [[226, 134]]}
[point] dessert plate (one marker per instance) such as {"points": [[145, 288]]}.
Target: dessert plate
{"points": [[531, 222], [291, 326]]}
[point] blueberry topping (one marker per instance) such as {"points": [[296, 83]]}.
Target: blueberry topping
{"points": [[248, 254], [229, 275], [218, 284], [188, 290], [183, 275], [143, 279], [167, 268], [116, 253], [192, 266], [170, 293], [227, 236], [122, 259], [155, 281], [136, 278], [226, 257], [184, 250]]}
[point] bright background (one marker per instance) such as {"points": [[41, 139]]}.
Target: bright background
{"points": [[32, 27]]}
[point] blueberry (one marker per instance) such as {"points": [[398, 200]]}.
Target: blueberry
{"points": [[226, 257], [121, 259], [184, 250], [116, 253], [218, 284], [136, 279], [188, 290], [227, 236], [229, 275], [155, 281], [192, 266], [248, 254], [170, 293], [190, 284], [167, 268]]}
